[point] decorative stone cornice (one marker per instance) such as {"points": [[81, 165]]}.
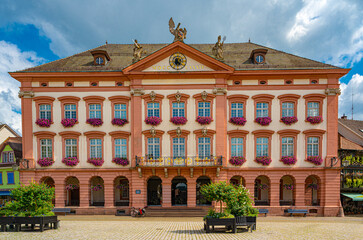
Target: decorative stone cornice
{"points": [[220, 91], [332, 91], [137, 92], [26, 94]]}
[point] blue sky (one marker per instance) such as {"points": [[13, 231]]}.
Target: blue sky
{"points": [[34, 32]]}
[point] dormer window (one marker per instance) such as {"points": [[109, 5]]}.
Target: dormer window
{"points": [[100, 57], [258, 56]]}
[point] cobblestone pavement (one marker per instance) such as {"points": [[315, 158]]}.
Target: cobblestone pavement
{"points": [[111, 227]]}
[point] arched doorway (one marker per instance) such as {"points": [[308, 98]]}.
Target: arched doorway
{"points": [[97, 192], [262, 191], [287, 191], [122, 197], [237, 181], [154, 191], [72, 191], [179, 191], [312, 191], [50, 183], [201, 201]]}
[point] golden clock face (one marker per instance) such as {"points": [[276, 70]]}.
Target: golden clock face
{"points": [[177, 61]]}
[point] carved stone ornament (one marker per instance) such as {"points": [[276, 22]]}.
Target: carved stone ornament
{"points": [[166, 172], [138, 51], [152, 96], [178, 131], [332, 91], [204, 95], [191, 172], [179, 33], [218, 171], [204, 131], [137, 92], [153, 131], [218, 48], [140, 172], [219, 91], [26, 94], [178, 96]]}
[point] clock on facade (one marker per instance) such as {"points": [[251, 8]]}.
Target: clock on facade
{"points": [[259, 59], [177, 61]]}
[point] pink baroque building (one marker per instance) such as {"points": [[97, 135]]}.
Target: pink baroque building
{"points": [[110, 134]]}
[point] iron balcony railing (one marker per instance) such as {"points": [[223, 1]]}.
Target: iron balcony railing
{"points": [[195, 161]]}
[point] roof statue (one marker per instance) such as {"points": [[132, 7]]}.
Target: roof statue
{"points": [[179, 33], [137, 51], [218, 48]]}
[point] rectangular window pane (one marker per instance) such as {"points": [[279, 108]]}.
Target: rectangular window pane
{"points": [[178, 109], [262, 110], [45, 111], [237, 110], [95, 111], [313, 146], [120, 148], [237, 147], [46, 148], [120, 111], [287, 146], [70, 111], [313, 109], [262, 147], [288, 109], [204, 147], [11, 179]]}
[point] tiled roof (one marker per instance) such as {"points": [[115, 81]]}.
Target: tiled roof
{"points": [[236, 55], [15, 143], [351, 130]]}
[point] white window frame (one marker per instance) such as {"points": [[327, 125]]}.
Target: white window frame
{"points": [[179, 147], [236, 109], [262, 147], [237, 147], [288, 109], [70, 147], [313, 147], [262, 109], [120, 110], [204, 109], [95, 110], [153, 147], [8, 157], [70, 111], [178, 109], [313, 109], [45, 111], [287, 146], [46, 148], [204, 147], [120, 148], [153, 109], [95, 147]]}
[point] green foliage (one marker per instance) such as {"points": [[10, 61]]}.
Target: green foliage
{"points": [[236, 198], [348, 182], [30, 201]]}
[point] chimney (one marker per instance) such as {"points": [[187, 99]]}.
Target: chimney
{"points": [[344, 116]]}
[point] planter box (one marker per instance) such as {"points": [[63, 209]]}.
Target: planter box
{"points": [[52, 221], [229, 223]]}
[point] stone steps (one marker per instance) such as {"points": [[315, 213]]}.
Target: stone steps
{"points": [[177, 211]]}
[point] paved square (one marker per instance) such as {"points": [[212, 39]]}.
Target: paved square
{"points": [[112, 227]]}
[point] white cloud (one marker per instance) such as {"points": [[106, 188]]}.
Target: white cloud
{"points": [[355, 86], [12, 59]]}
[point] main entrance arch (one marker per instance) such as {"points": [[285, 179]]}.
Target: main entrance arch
{"points": [[202, 180], [154, 191], [179, 191]]}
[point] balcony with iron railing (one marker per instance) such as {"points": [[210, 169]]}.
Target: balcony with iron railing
{"points": [[194, 161]]}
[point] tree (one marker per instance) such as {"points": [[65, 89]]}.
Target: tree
{"points": [[33, 200], [219, 192]]}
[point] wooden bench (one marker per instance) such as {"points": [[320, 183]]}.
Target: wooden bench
{"points": [[263, 211], [296, 211], [61, 210]]}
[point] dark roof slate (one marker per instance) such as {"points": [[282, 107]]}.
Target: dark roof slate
{"points": [[351, 130], [236, 55]]}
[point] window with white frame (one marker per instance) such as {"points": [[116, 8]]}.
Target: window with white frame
{"points": [[120, 111], [153, 109], [178, 109], [70, 111], [45, 111], [120, 148], [262, 147], [204, 109], [96, 148], [313, 147], [178, 147], [153, 147], [288, 109], [71, 147], [287, 146], [261, 110], [313, 109], [237, 110], [237, 147], [95, 111], [8, 157], [46, 148], [204, 147]]}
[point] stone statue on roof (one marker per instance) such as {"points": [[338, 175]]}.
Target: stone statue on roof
{"points": [[138, 51], [218, 48], [179, 33]]}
